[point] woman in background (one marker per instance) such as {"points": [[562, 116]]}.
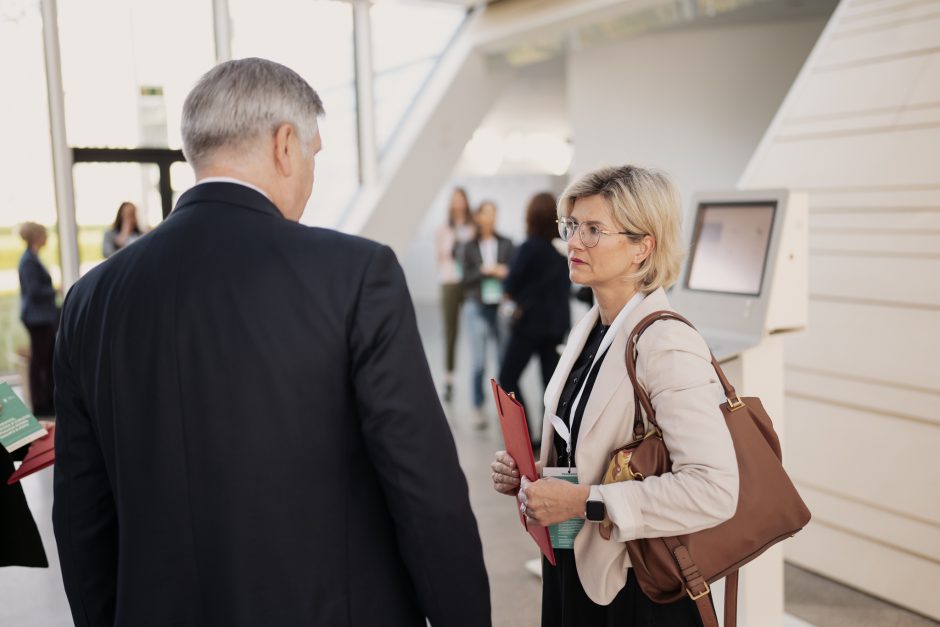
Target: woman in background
{"points": [[124, 231], [485, 260], [40, 317], [451, 237], [539, 286]]}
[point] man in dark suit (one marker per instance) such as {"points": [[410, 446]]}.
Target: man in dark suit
{"points": [[248, 433]]}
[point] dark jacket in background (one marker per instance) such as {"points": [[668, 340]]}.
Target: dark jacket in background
{"points": [[37, 295], [20, 544], [539, 285], [248, 434], [472, 260]]}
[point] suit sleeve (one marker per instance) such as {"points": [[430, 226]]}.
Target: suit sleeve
{"points": [[410, 444], [83, 515], [702, 489]]}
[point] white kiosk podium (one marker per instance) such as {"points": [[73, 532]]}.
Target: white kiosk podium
{"points": [[744, 286]]}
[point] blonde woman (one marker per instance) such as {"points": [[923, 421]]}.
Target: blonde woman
{"points": [[622, 226], [39, 315]]}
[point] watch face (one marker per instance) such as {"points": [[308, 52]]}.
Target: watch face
{"points": [[595, 511]]}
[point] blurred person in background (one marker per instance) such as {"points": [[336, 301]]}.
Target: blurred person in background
{"points": [[452, 236], [539, 285], [485, 264], [40, 316], [124, 231]]}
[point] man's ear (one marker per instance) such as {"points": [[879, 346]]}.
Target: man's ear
{"points": [[284, 137]]}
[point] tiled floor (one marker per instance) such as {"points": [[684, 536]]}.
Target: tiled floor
{"points": [[35, 598]]}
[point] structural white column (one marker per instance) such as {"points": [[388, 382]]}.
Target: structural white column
{"points": [[222, 23], [365, 101], [61, 153], [759, 371]]}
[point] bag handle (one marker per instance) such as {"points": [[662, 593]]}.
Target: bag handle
{"points": [[642, 396]]}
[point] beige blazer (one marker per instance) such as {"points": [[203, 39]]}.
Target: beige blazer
{"points": [[674, 365]]}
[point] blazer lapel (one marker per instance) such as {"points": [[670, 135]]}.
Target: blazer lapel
{"points": [[576, 340], [613, 370]]}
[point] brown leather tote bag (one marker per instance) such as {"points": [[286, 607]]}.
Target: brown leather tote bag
{"points": [[769, 507]]}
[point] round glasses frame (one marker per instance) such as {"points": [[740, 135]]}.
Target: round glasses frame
{"points": [[592, 236]]}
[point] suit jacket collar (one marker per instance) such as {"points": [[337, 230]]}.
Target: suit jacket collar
{"points": [[612, 373], [228, 193]]}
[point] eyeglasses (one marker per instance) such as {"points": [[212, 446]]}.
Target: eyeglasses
{"points": [[589, 232]]}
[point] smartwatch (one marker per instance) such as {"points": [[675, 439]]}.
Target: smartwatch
{"points": [[595, 511]]}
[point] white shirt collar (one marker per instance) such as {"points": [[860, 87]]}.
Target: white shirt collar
{"points": [[229, 179]]}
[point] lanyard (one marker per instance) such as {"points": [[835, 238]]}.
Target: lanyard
{"points": [[562, 428]]}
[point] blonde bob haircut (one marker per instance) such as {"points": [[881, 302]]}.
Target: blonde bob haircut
{"points": [[641, 201], [31, 232]]}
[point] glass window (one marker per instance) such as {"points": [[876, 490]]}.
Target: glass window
{"points": [[316, 42], [127, 66], [100, 189], [27, 190], [407, 40]]}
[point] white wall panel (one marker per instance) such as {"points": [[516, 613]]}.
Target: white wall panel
{"points": [[884, 342], [865, 455], [860, 130], [867, 392], [868, 277]]}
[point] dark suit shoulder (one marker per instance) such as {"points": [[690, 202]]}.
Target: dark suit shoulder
{"points": [[351, 253]]}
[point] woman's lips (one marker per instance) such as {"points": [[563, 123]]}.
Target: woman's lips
{"points": [[576, 262]]}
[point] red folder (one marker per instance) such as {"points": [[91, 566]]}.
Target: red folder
{"points": [[41, 455], [519, 446]]}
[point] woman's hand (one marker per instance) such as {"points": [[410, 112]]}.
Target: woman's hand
{"points": [[550, 501], [505, 474]]}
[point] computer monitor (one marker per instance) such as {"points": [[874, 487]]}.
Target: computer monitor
{"points": [[745, 276], [729, 248]]}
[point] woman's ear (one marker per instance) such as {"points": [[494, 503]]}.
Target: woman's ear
{"points": [[646, 247]]}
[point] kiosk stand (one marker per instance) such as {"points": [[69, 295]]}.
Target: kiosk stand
{"points": [[744, 287]]}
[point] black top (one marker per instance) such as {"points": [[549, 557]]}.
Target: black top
{"points": [[539, 285], [248, 434], [20, 543], [576, 380]]}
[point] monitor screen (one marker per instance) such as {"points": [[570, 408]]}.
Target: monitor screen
{"points": [[730, 247]]}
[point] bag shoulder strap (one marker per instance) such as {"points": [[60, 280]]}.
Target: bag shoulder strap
{"points": [[642, 396], [699, 590], [695, 583]]}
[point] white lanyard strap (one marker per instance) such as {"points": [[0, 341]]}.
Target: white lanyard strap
{"points": [[562, 428]]}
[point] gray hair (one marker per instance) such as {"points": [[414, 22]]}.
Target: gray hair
{"points": [[242, 100]]}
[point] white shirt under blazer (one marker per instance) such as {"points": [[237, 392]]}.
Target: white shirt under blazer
{"points": [[674, 365]]}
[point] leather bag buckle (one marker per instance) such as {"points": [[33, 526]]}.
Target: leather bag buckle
{"points": [[703, 593]]}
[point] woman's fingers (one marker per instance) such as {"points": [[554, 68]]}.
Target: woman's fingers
{"points": [[504, 473], [505, 459]]}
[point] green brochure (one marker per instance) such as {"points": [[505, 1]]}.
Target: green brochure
{"points": [[564, 533], [18, 427]]}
